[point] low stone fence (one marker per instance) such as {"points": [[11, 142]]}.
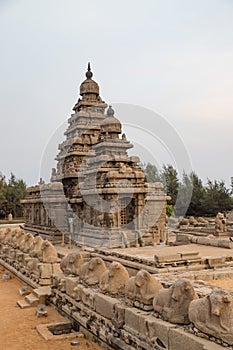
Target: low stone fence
{"points": [[122, 311]]}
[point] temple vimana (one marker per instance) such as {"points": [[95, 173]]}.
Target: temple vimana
{"points": [[97, 192], [97, 246]]}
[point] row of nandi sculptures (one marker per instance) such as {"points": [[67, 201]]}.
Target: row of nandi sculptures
{"points": [[31, 255], [178, 304]]}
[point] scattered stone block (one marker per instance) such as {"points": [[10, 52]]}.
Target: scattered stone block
{"points": [[216, 261]]}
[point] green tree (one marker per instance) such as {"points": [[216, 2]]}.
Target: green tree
{"points": [[169, 210], [169, 177], [152, 173], [11, 193], [216, 198], [3, 199], [184, 195], [198, 191]]}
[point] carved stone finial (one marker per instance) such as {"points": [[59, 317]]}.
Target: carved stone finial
{"points": [[110, 111], [89, 73]]}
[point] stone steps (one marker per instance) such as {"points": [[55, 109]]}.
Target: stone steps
{"points": [[32, 299], [38, 296], [23, 304]]}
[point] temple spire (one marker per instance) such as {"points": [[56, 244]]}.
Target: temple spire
{"points": [[89, 73]]}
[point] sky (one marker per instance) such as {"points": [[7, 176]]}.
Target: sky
{"points": [[173, 57]]}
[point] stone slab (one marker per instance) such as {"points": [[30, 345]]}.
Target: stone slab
{"points": [[105, 305], [179, 339]]}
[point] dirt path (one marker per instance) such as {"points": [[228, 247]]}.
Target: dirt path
{"points": [[17, 326]]}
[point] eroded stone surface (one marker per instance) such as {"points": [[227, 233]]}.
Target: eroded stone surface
{"points": [[173, 303]]}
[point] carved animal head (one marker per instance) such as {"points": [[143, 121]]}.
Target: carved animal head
{"points": [[219, 300], [94, 262], [142, 277], [18, 233], [220, 217], [45, 244], [38, 239], [114, 268], [181, 289]]}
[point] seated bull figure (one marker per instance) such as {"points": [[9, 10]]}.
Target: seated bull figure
{"points": [[173, 303], [142, 287], [15, 237], [20, 240], [114, 279], [91, 271], [71, 263], [6, 238], [26, 245], [213, 315], [220, 223], [49, 253], [36, 251], [2, 236]]}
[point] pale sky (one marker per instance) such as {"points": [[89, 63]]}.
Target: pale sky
{"points": [[174, 57]]}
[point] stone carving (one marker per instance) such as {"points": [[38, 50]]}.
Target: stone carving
{"points": [[7, 236], [161, 227], [71, 263], [91, 271], [49, 253], [202, 221], [220, 223], [213, 315], [36, 251], [173, 303], [142, 287], [27, 243], [20, 239], [2, 236], [114, 279], [184, 222], [15, 237], [193, 221]]}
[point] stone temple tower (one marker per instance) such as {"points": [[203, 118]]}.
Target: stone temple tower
{"points": [[105, 198]]}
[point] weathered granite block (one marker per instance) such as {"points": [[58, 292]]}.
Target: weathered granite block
{"points": [[158, 329], [135, 321], [46, 270], [119, 316], [45, 281], [56, 268], [105, 305], [167, 258], [203, 240], [86, 295], [179, 339], [216, 261], [225, 243]]}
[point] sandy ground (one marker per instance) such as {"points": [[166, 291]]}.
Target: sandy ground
{"points": [[223, 283], [17, 326]]}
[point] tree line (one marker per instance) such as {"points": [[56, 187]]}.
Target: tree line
{"points": [[206, 200], [11, 193]]}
